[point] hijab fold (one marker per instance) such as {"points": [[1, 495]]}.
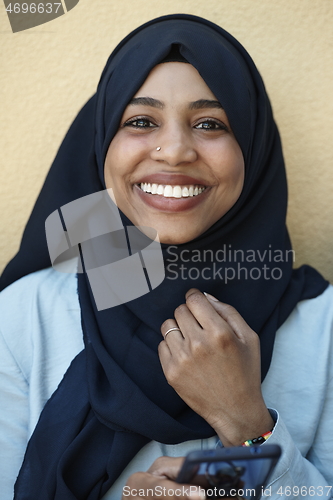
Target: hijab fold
{"points": [[114, 397]]}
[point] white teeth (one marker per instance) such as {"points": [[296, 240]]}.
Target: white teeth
{"points": [[171, 191], [168, 192], [177, 192]]}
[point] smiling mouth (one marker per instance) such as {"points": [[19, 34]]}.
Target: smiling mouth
{"points": [[168, 191]]}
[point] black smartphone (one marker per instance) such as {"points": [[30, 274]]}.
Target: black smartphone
{"points": [[237, 472]]}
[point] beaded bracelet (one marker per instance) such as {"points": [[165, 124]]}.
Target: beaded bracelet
{"points": [[259, 440]]}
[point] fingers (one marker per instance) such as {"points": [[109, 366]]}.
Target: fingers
{"points": [[173, 337], [166, 466], [187, 322], [195, 300], [171, 332], [191, 319], [231, 316], [205, 312]]}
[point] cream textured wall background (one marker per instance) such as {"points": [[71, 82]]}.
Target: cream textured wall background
{"points": [[48, 72]]}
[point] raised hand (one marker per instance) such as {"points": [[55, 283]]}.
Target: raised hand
{"points": [[213, 363]]}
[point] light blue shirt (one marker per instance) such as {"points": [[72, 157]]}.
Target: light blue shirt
{"points": [[40, 334]]}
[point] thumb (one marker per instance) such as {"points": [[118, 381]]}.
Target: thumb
{"points": [[167, 467]]}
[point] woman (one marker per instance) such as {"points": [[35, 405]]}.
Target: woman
{"points": [[181, 130]]}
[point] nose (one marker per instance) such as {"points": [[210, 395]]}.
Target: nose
{"points": [[174, 146]]}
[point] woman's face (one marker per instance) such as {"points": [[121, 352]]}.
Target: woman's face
{"points": [[196, 174]]}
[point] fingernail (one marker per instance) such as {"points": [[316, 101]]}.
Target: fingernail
{"points": [[211, 297]]}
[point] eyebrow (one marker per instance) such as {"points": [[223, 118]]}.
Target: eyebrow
{"points": [[146, 101], [155, 103], [205, 103]]}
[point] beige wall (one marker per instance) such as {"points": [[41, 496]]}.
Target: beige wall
{"points": [[48, 72]]}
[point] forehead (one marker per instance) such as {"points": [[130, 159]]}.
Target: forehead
{"points": [[176, 81]]}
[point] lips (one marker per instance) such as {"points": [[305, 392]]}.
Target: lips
{"points": [[171, 192], [170, 204]]}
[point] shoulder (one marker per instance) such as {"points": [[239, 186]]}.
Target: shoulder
{"points": [[324, 302], [40, 313], [44, 295], [312, 318], [298, 383], [42, 285], [304, 343]]}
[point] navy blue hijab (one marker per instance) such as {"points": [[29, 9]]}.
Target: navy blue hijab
{"points": [[114, 397]]}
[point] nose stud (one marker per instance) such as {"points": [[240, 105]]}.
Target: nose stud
{"points": [[159, 148]]}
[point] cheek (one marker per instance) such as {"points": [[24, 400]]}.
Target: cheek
{"points": [[122, 159], [115, 168], [231, 169], [237, 173]]}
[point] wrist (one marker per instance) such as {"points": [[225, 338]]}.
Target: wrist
{"points": [[237, 433]]}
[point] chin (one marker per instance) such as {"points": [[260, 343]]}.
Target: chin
{"points": [[176, 239]]}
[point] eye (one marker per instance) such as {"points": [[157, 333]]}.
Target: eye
{"points": [[209, 125], [139, 123]]}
